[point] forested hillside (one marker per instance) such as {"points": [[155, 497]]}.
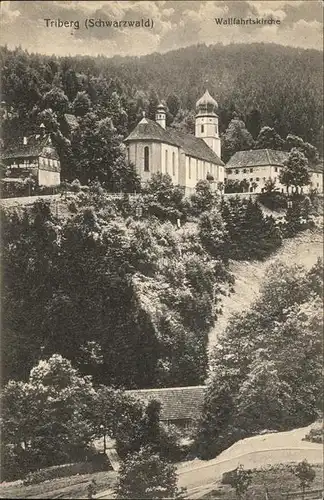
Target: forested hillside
{"points": [[266, 84]]}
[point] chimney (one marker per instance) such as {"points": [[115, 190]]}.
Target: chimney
{"points": [[25, 140], [160, 116]]}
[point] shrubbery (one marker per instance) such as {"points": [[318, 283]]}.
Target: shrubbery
{"points": [[12, 188], [145, 475], [163, 200], [315, 435], [273, 200], [298, 215], [57, 471]]}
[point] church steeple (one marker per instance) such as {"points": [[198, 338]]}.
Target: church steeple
{"points": [[207, 122], [160, 116]]}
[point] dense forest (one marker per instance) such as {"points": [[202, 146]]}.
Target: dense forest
{"points": [[126, 290], [264, 84], [266, 366]]}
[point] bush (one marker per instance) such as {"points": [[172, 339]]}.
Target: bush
{"points": [[213, 235], [250, 234], [273, 200], [144, 475], [72, 207], [203, 198], [163, 213], [76, 186], [314, 436], [58, 471], [164, 200], [96, 462], [239, 479], [11, 188], [298, 215]]}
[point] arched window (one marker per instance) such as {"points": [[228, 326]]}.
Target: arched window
{"points": [[128, 154], [166, 161], [146, 159], [216, 129], [202, 129], [173, 163]]}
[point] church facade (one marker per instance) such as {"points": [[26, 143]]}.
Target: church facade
{"points": [[153, 148]]}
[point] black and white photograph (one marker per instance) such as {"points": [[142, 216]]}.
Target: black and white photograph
{"points": [[161, 249]]}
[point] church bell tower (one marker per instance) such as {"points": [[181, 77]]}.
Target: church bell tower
{"points": [[207, 122]]}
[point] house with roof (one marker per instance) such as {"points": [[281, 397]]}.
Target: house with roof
{"points": [[34, 156], [152, 147], [180, 406], [258, 165]]}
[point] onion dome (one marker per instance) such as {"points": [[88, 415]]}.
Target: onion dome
{"points": [[161, 107], [206, 104]]}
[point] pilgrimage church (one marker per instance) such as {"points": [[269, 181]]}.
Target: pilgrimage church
{"points": [[152, 148]]}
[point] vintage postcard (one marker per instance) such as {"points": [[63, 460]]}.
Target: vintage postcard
{"points": [[161, 249]]}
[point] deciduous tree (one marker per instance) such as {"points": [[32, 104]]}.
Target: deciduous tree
{"points": [[295, 171], [236, 138], [269, 138], [145, 475]]}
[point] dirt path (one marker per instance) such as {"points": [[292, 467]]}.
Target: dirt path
{"points": [[304, 249]]}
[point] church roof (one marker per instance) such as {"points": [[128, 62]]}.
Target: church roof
{"points": [[34, 147], [257, 158], [192, 146], [177, 403]]}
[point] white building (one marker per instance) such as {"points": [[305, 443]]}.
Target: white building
{"points": [[152, 148], [257, 166], [34, 156]]}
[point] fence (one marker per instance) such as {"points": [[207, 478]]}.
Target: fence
{"points": [[307, 495]]}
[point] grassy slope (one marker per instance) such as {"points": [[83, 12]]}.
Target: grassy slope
{"points": [[303, 249], [73, 487]]}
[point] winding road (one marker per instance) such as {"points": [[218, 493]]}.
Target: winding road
{"points": [[200, 476]]}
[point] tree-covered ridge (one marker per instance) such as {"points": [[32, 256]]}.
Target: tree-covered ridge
{"points": [[265, 84], [116, 282], [129, 301], [266, 368]]}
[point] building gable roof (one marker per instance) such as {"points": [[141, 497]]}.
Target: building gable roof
{"points": [[177, 403], [264, 157], [149, 130], [35, 147], [257, 158]]}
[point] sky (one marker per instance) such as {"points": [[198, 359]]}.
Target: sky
{"points": [[175, 24]]}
